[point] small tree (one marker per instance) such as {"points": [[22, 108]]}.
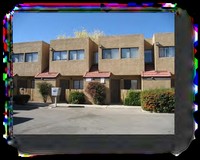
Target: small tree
{"points": [[45, 90], [83, 33], [97, 91]]}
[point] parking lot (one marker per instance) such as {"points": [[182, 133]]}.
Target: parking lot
{"points": [[42, 119]]}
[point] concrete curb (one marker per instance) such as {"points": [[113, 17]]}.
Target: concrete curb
{"points": [[92, 106]]}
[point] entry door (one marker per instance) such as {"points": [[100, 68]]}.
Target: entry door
{"points": [[64, 84], [115, 91]]}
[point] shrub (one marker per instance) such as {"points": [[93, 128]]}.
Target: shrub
{"points": [[21, 99], [158, 100], [45, 90], [133, 98], [76, 97], [97, 91]]}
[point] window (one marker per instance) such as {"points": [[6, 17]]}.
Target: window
{"points": [[166, 51], [76, 55], [59, 55], [148, 56], [31, 57], [130, 84], [110, 53], [129, 53], [78, 84], [18, 57]]}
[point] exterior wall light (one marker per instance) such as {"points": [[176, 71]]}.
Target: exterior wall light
{"points": [[157, 44]]}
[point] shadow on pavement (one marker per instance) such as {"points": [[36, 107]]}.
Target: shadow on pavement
{"points": [[15, 113], [29, 106], [18, 120]]}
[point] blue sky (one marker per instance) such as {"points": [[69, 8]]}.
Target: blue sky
{"points": [[47, 26]]}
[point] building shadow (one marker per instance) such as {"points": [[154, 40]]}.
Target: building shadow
{"points": [[18, 120], [23, 107], [29, 106]]}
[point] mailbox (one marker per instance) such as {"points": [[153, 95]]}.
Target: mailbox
{"points": [[55, 91]]}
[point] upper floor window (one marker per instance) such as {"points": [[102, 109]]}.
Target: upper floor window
{"points": [[110, 53], [59, 55], [31, 57], [148, 56], [76, 54], [18, 57], [129, 53], [78, 84], [130, 84], [166, 51]]}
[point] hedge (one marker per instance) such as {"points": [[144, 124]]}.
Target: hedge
{"points": [[133, 98], [158, 100], [76, 97]]}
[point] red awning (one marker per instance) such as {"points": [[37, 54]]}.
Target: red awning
{"points": [[156, 74], [47, 75], [97, 74]]}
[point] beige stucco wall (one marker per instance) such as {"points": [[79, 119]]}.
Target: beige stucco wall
{"points": [[148, 43], [71, 67], [156, 83], [132, 66], [30, 68], [163, 63]]}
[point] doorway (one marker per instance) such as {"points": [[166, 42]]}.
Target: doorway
{"points": [[115, 91], [64, 84]]}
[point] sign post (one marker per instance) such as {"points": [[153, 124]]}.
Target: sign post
{"points": [[55, 91]]}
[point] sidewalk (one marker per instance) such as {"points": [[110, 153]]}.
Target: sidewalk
{"points": [[61, 105]]}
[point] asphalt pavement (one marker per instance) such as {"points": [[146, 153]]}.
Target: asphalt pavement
{"points": [[39, 118]]}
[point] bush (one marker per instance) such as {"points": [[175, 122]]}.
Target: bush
{"points": [[21, 99], [97, 91], [158, 100], [133, 98], [76, 97], [45, 90]]}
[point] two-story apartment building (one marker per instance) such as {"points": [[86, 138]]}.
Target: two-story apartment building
{"points": [[29, 59], [121, 63]]}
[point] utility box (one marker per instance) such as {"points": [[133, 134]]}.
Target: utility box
{"points": [[55, 91]]}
